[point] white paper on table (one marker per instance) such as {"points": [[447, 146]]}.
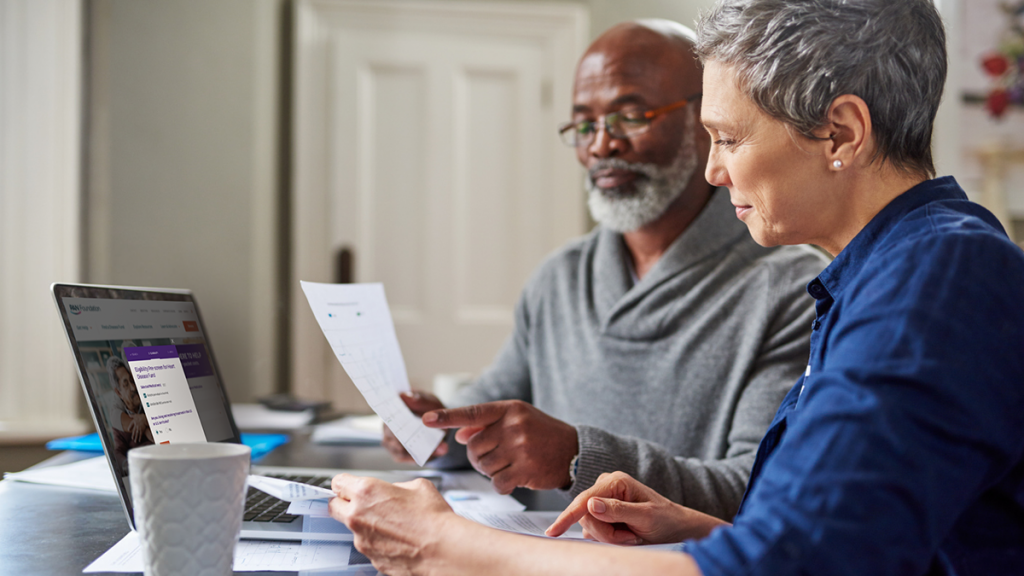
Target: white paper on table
{"points": [[259, 417], [91, 473], [357, 323], [349, 430], [533, 522], [250, 556], [459, 500], [473, 501], [287, 490]]}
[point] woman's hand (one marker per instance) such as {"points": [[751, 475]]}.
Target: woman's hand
{"points": [[138, 426], [618, 509], [395, 525]]}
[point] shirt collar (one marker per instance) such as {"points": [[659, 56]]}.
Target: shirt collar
{"points": [[853, 258]]}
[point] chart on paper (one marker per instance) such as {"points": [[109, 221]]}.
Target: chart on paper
{"points": [[357, 323]]}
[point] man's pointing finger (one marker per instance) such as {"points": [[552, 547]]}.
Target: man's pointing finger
{"points": [[480, 415]]}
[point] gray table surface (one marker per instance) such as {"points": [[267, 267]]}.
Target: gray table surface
{"points": [[55, 531]]}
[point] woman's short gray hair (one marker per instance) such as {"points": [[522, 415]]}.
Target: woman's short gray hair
{"points": [[795, 57]]}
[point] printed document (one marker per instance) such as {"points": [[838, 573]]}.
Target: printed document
{"points": [[287, 490], [250, 556], [530, 522], [459, 500], [357, 323]]}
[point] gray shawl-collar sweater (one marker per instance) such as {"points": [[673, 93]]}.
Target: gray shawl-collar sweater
{"points": [[674, 379]]}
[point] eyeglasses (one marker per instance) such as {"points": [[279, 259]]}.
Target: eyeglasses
{"points": [[617, 124]]}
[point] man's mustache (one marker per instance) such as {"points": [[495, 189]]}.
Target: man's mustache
{"points": [[602, 167]]}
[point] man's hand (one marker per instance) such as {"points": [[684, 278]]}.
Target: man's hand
{"points": [[393, 524], [618, 509], [512, 443], [420, 403]]}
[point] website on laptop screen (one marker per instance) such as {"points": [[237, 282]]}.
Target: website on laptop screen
{"points": [[148, 367]]}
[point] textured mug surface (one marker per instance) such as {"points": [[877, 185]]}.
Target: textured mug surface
{"points": [[188, 501]]}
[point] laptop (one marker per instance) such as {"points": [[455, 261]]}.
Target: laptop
{"points": [[148, 372]]}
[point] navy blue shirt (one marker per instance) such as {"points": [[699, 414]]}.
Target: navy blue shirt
{"points": [[901, 449]]}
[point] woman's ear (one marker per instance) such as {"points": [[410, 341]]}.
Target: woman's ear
{"points": [[849, 125]]}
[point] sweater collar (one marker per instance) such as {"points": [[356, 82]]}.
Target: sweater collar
{"points": [[715, 227]]}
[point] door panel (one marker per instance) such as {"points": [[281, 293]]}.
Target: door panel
{"points": [[439, 167]]}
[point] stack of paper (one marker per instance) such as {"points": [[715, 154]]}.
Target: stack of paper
{"points": [[91, 473], [350, 430], [259, 417], [250, 556]]}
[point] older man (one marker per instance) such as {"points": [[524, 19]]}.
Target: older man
{"points": [[660, 344]]}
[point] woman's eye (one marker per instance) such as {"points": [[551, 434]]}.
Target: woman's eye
{"points": [[725, 143]]}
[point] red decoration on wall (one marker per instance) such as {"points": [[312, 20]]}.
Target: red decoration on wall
{"points": [[995, 64], [997, 102], [1006, 63]]}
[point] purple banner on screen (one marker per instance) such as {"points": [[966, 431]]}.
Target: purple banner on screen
{"points": [[194, 360], [149, 353]]}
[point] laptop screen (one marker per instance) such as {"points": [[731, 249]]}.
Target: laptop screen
{"points": [[146, 367]]}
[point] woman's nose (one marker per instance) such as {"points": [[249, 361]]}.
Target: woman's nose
{"points": [[715, 172]]}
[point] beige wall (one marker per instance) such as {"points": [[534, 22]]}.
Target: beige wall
{"points": [[183, 165], [184, 157]]}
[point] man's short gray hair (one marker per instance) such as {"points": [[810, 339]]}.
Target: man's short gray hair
{"points": [[795, 57]]}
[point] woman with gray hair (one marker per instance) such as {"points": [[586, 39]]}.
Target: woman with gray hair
{"points": [[901, 449]]}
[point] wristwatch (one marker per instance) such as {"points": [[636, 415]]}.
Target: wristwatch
{"points": [[574, 466]]}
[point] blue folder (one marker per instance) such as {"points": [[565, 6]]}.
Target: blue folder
{"points": [[261, 444]]}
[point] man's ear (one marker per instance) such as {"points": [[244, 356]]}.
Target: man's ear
{"points": [[849, 126]]}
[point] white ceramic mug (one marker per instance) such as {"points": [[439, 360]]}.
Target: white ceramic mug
{"points": [[188, 501]]}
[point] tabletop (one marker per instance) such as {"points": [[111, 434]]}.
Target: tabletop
{"points": [[59, 531]]}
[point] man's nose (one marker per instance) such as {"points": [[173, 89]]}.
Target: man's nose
{"points": [[604, 145]]}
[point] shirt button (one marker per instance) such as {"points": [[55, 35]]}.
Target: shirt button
{"points": [[817, 291]]}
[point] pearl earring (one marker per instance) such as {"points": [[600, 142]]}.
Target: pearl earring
{"points": [[837, 164]]}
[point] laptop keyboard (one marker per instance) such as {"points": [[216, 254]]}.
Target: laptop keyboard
{"points": [[262, 507]]}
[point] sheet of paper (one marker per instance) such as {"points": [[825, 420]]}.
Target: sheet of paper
{"points": [[533, 523], [357, 323], [287, 490], [459, 500], [314, 508], [91, 473], [250, 556], [349, 430]]}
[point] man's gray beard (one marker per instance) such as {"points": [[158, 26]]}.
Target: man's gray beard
{"points": [[633, 206]]}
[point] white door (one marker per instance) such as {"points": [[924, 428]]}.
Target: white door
{"points": [[425, 149]]}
